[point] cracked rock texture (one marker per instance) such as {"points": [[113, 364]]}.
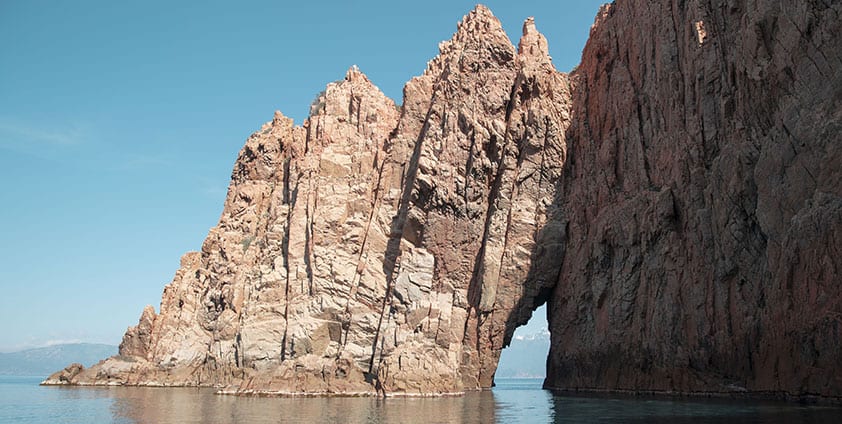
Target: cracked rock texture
{"points": [[677, 201], [375, 249], [703, 201]]}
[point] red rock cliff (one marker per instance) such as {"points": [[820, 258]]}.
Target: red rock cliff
{"points": [[677, 200], [703, 201]]}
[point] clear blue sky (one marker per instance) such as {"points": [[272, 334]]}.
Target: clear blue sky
{"points": [[120, 123]]}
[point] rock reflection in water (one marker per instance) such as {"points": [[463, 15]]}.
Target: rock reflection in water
{"points": [[512, 401], [179, 405], [663, 410]]}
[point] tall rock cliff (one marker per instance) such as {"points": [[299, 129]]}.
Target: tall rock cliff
{"points": [[703, 201], [677, 200]]}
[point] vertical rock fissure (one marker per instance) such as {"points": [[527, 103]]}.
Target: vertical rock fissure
{"points": [[293, 201], [308, 237], [485, 303], [469, 164], [375, 203], [392, 255]]}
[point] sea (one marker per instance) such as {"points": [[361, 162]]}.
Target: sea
{"points": [[22, 400]]}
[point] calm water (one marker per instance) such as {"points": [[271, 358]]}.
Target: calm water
{"points": [[512, 401]]}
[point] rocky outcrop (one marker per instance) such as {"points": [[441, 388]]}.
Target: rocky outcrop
{"points": [[67, 375], [703, 202], [688, 240], [375, 249]]}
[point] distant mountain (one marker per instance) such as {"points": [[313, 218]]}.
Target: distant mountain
{"points": [[526, 357], [44, 361]]}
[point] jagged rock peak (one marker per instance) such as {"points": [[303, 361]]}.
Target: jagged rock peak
{"points": [[479, 32], [279, 119], [533, 44], [479, 20], [354, 75], [479, 25], [354, 81]]}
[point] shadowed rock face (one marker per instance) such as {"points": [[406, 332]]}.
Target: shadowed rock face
{"points": [[689, 240], [704, 201]]}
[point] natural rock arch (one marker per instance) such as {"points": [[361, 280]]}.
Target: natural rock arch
{"points": [[689, 241], [375, 248]]}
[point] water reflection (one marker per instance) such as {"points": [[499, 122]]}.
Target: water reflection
{"points": [[512, 401], [522, 401], [147, 405], [611, 409]]}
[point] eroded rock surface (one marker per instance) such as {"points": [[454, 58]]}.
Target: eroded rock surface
{"points": [[688, 240], [377, 248], [704, 201]]}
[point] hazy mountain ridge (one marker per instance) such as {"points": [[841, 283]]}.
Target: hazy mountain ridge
{"points": [[45, 360], [526, 356], [542, 334]]}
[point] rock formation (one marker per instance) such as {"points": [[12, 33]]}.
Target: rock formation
{"points": [[676, 200], [377, 248], [703, 201]]}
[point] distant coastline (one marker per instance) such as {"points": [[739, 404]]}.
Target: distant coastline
{"points": [[42, 361]]}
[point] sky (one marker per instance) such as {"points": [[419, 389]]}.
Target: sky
{"points": [[120, 123]]}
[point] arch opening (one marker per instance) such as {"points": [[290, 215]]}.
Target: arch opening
{"points": [[525, 357]]}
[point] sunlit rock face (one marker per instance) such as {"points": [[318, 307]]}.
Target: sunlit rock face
{"points": [[376, 248], [676, 200]]}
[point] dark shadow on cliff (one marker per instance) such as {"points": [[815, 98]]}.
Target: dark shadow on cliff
{"points": [[391, 264], [546, 261]]}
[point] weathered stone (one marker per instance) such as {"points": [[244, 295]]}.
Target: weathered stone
{"points": [[387, 244], [688, 240], [137, 340], [703, 202], [65, 376]]}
